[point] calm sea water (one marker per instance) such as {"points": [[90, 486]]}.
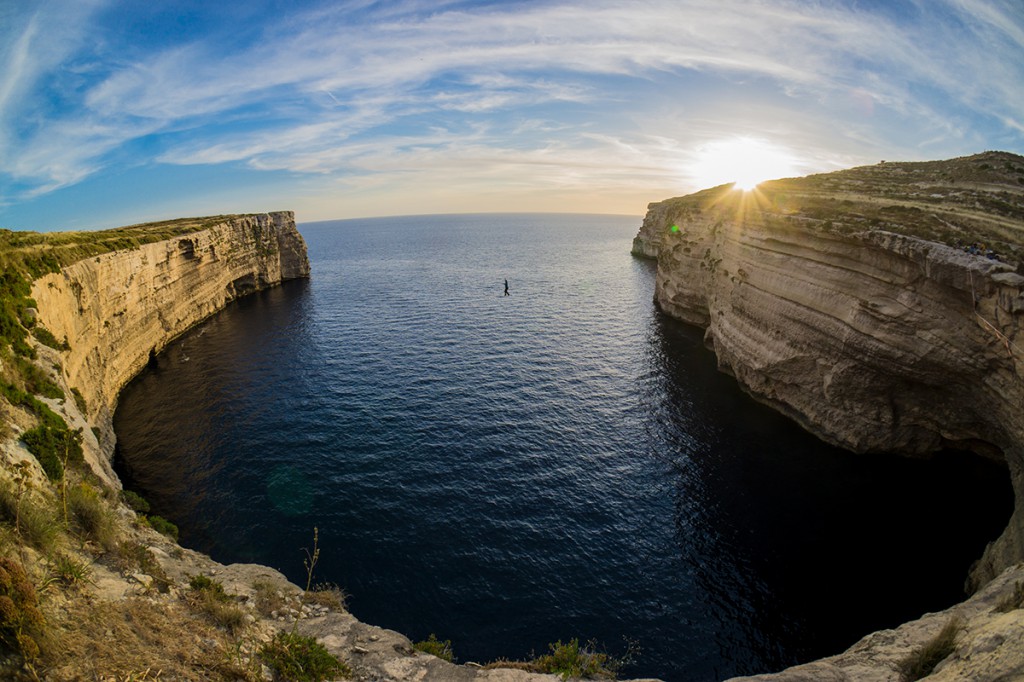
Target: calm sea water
{"points": [[561, 462]]}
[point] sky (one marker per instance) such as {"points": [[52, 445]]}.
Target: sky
{"points": [[116, 112]]}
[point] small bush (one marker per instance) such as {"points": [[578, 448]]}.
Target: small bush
{"points": [[923, 661], [130, 556], [435, 647], [572, 660], [46, 337], [92, 515], [21, 621], [202, 583], [297, 658], [134, 500], [164, 527], [209, 598], [79, 400], [53, 446]]}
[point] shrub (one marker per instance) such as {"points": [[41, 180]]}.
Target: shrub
{"points": [[92, 515], [79, 400], [131, 555], [923, 661], [164, 527], [297, 658], [53, 447], [209, 598], [431, 645], [21, 621], [202, 583], [135, 501], [46, 337], [572, 660]]}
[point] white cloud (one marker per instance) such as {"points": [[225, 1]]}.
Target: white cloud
{"points": [[320, 92]]}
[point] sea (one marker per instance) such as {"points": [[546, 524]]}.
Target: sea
{"points": [[508, 472]]}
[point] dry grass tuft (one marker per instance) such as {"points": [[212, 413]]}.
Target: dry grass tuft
{"points": [[136, 637]]}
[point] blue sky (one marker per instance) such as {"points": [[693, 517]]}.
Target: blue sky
{"points": [[118, 112]]}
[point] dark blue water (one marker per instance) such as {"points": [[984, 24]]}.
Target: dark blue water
{"points": [[562, 462]]}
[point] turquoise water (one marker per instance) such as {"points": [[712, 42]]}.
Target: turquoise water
{"points": [[561, 462]]}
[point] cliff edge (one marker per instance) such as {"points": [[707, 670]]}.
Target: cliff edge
{"points": [[121, 307], [91, 587], [880, 307]]}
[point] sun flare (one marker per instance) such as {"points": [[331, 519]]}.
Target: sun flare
{"points": [[745, 161]]}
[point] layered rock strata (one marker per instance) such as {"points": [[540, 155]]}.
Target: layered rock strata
{"points": [[834, 299], [119, 309]]}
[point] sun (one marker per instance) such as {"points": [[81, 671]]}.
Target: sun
{"points": [[745, 161]]}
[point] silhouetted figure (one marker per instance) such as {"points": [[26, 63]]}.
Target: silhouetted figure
{"points": [[506, 287]]}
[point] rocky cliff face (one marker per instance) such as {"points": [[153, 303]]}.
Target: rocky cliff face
{"points": [[119, 308], [848, 302]]}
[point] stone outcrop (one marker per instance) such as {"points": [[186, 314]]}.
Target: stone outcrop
{"points": [[120, 308], [866, 305]]}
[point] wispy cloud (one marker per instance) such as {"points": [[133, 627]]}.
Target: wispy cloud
{"points": [[492, 90]]}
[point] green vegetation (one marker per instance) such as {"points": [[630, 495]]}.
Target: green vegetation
{"points": [[431, 645], [163, 526], [922, 662], [209, 598], [70, 571], [572, 660], [79, 400], [54, 447], [46, 337], [135, 501], [92, 516], [297, 658]]}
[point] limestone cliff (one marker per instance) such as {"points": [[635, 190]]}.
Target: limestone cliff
{"points": [[865, 305], [118, 308]]}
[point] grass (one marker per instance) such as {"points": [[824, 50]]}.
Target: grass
{"points": [[70, 571], [329, 595], [269, 597], [923, 662], [298, 658]]}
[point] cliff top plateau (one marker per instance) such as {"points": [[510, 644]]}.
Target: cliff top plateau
{"points": [[969, 200]]}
